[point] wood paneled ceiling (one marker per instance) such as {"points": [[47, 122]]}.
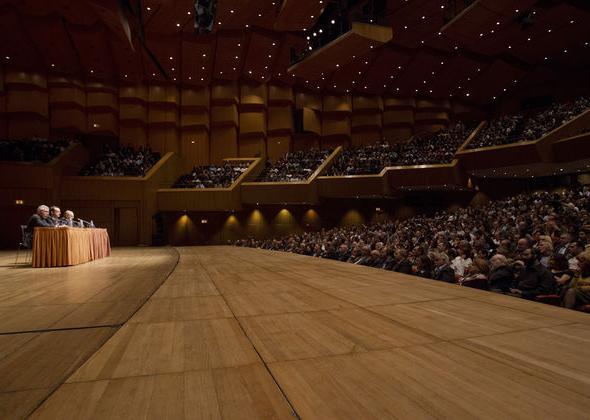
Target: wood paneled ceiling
{"points": [[479, 55]]}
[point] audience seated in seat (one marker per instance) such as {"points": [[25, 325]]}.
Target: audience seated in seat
{"points": [[212, 176], [122, 161], [496, 246], [508, 129], [424, 149], [293, 167], [35, 149]]}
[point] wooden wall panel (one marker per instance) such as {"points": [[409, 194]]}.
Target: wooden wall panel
{"points": [[103, 122], [280, 119], [163, 95], [280, 95], [134, 112], [366, 136], [335, 126], [225, 115], [226, 93], [308, 100], [63, 92], [252, 123], [397, 134], [391, 102], [133, 133], [312, 121], [20, 126], [253, 95], [366, 121], [252, 147], [194, 120], [195, 98], [27, 101], [134, 94], [102, 100], [398, 117], [163, 139], [194, 147], [162, 116], [224, 143], [337, 103], [362, 103], [72, 119], [277, 146], [305, 142]]}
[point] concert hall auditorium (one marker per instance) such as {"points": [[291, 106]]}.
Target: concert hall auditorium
{"points": [[294, 209]]}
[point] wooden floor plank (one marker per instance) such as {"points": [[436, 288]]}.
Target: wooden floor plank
{"points": [[460, 318], [285, 302], [245, 392], [48, 358], [440, 380], [167, 347], [557, 354], [102, 292], [183, 309], [304, 335]]}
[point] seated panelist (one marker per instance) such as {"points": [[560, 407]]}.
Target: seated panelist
{"points": [[68, 220], [39, 219], [54, 215]]}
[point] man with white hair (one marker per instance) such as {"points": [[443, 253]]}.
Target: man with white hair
{"points": [[39, 219], [68, 219], [501, 274]]}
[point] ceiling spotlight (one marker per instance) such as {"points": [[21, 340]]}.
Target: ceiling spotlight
{"points": [[332, 21], [52, 65], [148, 8], [178, 25]]}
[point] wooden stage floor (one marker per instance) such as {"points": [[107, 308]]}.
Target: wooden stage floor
{"points": [[240, 333]]}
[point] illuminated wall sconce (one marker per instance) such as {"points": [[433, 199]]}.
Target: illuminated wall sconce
{"points": [[19, 202], [378, 209], [204, 221]]}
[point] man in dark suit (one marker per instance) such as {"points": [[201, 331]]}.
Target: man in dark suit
{"points": [[533, 279], [39, 219], [54, 215], [68, 219], [443, 270]]}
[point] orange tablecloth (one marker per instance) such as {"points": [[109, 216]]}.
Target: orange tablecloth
{"points": [[58, 247]]}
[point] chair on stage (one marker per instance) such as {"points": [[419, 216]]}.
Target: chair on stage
{"points": [[25, 243]]}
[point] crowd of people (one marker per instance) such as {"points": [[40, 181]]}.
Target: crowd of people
{"points": [[294, 166], [213, 176], [122, 161], [35, 149], [420, 150], [532, 245], [509, 129]]}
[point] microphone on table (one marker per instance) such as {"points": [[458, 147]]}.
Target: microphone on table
{"points": [[85, 223]]}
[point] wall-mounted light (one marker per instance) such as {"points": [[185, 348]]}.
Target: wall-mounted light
{"points": [[204, 221], [19, 202]]}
